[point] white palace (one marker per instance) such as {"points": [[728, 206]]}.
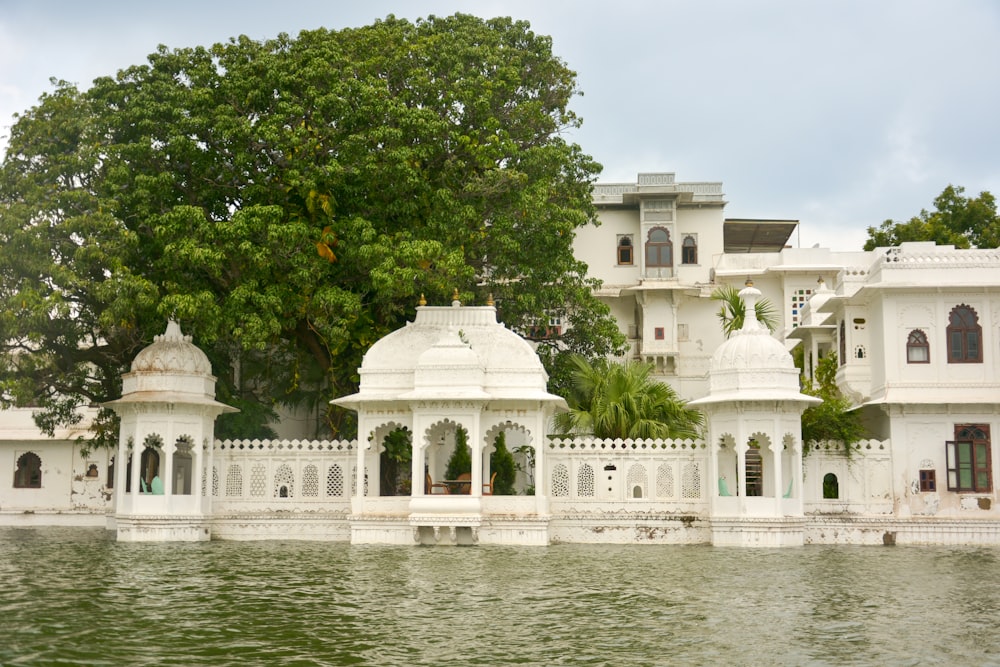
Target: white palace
{"points": [[915, 329]]}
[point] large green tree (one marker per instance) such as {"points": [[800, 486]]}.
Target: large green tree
{"points": [[288, 201], [956, 220], [623, 400]]}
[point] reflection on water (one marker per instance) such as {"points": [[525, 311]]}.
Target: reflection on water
{"points": [[75, 597]]}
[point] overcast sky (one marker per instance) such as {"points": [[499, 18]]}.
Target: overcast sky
{"points": [[839, 114]]}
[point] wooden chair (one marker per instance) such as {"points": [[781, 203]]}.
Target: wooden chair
{"points": [[464, 489], [430, 486], [488, 486]]}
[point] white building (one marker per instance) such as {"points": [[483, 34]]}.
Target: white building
{"points": [[915, 329]]}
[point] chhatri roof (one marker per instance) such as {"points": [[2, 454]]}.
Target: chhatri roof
{"points": [[170, 370], [172, 352], [752, 365], [451, 353]]}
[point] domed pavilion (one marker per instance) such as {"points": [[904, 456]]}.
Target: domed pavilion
{"points": [[754, 418], [164, 461], [454, 374]]}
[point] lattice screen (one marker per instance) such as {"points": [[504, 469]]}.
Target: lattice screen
{"points": [[637, 477], [310, 481], [691, 480], [665, 481], [585, 481], [258, 481], [335, 481], [560, 481], [234, 481], [284, 477]]}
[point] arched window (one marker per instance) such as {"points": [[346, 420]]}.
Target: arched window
{"points": [[625, 250], [964, 336], [831, 487], [968, 459], [28, 473], [917, 349], [149, 464], [689, 250], [659, 248], [754, 468], [183, 465]]}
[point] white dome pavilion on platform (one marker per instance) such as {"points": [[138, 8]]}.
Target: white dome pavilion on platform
{"points": [[754, 410], [168, 411], [452, 368]]}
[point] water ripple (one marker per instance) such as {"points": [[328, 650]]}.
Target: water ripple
{"points": [[75, 597]]}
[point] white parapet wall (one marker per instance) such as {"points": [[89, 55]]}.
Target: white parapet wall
{"points": [[628, 491], [282, 489], [590, 491]]}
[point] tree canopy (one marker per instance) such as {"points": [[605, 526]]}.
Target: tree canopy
{"points": [[956, 220], [288, 202], [623, 400]]}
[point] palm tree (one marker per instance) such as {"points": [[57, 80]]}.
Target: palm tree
{"points": [[621, 400], [732, 312]]}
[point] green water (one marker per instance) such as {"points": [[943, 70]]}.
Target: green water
{"points": [[74, 597]]}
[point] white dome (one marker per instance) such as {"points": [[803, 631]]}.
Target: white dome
{"points": [[172, 352], [751, 364], [171, 370], [451, 352], [751, 350]]}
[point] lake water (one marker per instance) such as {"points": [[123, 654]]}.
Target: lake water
{"points": [[75, 597]]}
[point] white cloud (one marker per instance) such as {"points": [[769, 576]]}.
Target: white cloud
{"points": [[838, 114]]}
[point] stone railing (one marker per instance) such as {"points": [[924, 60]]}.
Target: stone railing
{"points": [[611, 192], [702, 191], [271, 446], [605, 191], [899, 264], [862, 479], [595, 444], [660, 475], [935, 257], [283, 475], [657, 178]]}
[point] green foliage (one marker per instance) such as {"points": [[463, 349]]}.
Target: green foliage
{"points": [[395, 464], [732, 311], [622, 400], [526, 465], [832, 419], [502, 463], [287, 201], [956, 220], [460, 461]]}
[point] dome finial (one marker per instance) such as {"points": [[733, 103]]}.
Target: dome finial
{"points": [[489, 300], [750, 295], [423, 301], [454, 299]]}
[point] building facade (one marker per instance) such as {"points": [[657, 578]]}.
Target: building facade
{"points": [[916, 330]]}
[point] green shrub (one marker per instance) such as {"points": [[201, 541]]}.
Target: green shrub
{"points": [[502, 463], [461, 459]]}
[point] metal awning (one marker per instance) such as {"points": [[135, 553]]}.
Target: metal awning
{"points": [[744, 235]]}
